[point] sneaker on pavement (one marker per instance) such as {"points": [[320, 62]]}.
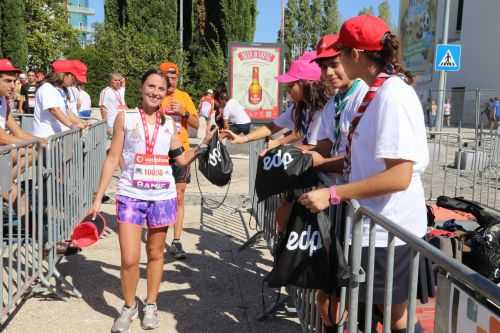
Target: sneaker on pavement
{"points": [[177, 251], [122, 323], [151, 319]]}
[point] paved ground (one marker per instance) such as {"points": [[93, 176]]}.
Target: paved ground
{"points": [[217, 289]]}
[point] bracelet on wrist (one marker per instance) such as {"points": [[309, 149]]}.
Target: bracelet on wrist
{"points": [[334, 197]]}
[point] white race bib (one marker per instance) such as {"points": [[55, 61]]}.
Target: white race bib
{"points": [[152, 171]]}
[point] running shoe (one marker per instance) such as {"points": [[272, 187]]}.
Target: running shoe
{"points": [[177, 251], [151, 319], [122, 324]]}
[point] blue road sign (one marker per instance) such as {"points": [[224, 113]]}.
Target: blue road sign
{"points": [[448, 57]]}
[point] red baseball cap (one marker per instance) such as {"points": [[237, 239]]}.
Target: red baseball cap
{"points": [[325, 47], [364, 32], [81, 69], [6, 66], [74, 67]]}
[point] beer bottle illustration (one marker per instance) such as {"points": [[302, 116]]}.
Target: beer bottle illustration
{"points": [[255, 89]]}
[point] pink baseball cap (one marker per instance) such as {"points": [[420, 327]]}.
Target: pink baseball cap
{"points": [[301, 69]]}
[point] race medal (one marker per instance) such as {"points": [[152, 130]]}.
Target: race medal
{"points": [[151, 171]]}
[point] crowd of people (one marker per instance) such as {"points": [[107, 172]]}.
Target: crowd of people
{"points": [[352, 109]]}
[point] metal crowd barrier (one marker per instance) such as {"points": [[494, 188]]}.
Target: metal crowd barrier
{"points": [[55, 185], [464, 163], [479, 289]]}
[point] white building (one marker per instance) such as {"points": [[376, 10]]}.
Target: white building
{"points": [[476, 26]]}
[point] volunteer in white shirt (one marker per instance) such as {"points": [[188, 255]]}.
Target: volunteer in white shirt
{"points": [[112, 100], [84, 102], [303, 116], [235, 117], [386, 154], [52, 110], [145, 139]]}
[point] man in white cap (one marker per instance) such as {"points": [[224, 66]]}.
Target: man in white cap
{"points": [[205, 109]]}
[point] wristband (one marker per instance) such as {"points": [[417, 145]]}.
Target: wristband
{"points": [[334, 197]]}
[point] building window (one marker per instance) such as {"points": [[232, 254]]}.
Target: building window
{"points": [[460, 13]]}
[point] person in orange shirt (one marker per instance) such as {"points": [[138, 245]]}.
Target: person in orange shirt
{"points": [[179, 105]]}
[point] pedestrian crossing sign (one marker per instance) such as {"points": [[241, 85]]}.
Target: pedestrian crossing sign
{"points": [[448, 57]]}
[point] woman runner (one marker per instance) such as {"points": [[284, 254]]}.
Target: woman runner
{"points": [[146, 194]]}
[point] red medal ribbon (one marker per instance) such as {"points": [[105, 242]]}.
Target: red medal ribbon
{"points": [[150, 145]]}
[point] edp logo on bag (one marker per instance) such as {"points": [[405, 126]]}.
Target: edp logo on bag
{"points": [[306, 241], [277, 160], [215, 155]]}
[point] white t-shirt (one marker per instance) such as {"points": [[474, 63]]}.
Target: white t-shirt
{"points": [[347, 104], [235, 113], [447, 109], [111, 99], [74, 95], [309, 127], [393, 127], [44, 123], [3, 112], [85, 102]]}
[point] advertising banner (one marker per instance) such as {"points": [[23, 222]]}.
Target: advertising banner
{"points": [[252, 72], [418, 34]]}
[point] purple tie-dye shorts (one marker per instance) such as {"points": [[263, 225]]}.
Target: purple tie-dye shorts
{"points": [[156, 214]]}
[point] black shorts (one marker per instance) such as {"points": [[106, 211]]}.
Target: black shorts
{"points": [[401, 280], [182, 174], [240, 128]]}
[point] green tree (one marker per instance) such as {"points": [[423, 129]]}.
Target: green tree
{"points": [[384, 12], [331, 17], [50, 34], [13, 31], [366, 11], [316, 20]]}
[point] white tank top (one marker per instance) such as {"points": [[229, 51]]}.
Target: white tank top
{"points": [[135, 143]]}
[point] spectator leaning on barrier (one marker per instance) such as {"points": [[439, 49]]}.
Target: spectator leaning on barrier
{"points": [[180, 107], [332, 136], [10, 131], [145, 139], [235, 117], [84, 102], [52, 112], [112, 101], [28, 95], [385, 157]]}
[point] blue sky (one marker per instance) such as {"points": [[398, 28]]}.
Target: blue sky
{"points": [[268, 20]]}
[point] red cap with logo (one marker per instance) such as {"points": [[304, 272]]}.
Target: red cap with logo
{"points": [[325, 49], [74, 67], [364, 32], [6, 66]]}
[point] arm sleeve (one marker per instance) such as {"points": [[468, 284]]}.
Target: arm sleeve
{"points": [[285, 120], [396, 130], [49, 99]]}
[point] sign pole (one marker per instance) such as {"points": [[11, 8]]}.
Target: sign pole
{"points": [[442, 74]]}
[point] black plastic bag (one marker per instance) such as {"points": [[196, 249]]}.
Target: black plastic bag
{"points": [[215, 163], [284, 168], [301, 258]]}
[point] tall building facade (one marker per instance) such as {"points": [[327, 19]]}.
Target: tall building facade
{"points": [[475, 26], [79, 13]]}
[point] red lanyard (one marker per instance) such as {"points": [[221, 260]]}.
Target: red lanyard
{"points": [[150, 145]]}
